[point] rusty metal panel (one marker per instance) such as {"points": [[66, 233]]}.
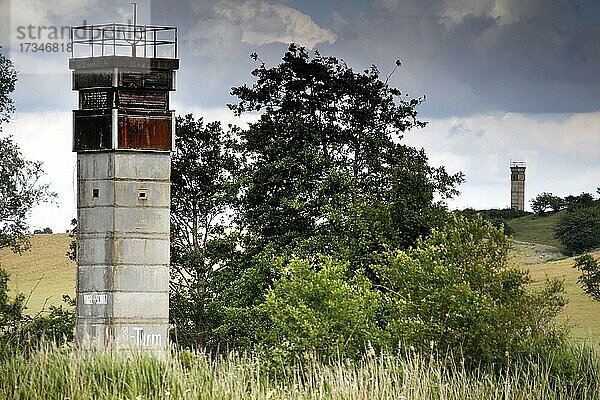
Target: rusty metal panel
{"points": [[92, 130], [148, 99], [91, 79], [145, 130]]}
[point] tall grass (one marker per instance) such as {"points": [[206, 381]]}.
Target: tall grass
{"points": [[53, 373]]}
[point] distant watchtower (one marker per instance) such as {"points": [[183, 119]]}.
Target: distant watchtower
{"points": [[122, 133], [517, 186]]}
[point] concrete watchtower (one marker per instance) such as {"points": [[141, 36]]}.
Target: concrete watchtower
{"points": [[517, 185], [122, 133]]}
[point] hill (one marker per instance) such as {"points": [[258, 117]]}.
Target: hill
{"points": [[536, 229], [44, 273], [581, 313]]}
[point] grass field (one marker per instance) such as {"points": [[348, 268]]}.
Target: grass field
{"points": [[44, 273], [536, 229], [536, 250], [542, 262]]}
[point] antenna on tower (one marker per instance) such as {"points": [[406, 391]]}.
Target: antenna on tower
{"points": [[134, 14], [134, 40]]}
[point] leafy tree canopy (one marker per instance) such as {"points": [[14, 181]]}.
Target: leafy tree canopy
{"points": [[544, 201], [326, 147], [202, 191], [578, 230], [20, 190]]}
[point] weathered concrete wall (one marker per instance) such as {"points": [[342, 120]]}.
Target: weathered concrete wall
{"points": [[123, 249]]}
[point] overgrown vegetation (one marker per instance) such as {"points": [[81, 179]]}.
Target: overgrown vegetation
{"points": [[316, 230], [21, 333], [498, 218], [571, 373]]}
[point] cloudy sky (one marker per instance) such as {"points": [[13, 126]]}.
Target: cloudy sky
{"points": [[504, 79]]}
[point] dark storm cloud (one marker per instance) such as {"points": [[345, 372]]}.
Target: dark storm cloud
{"points": [[216, 39], [520, 56], [467, 56]]}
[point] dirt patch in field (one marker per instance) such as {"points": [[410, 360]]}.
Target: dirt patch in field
{"points": [[536, 253]]}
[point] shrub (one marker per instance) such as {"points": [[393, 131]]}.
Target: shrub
{"points": [[319, 310], [578, 230], [590, 275], [454, 291]]}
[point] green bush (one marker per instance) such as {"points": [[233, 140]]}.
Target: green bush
{"points": [[319, 310], [454, 291], [578, 230], [590, 275]]}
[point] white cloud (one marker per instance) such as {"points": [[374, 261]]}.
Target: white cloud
{"points": [[454, 11], [505, 12], [46, 137], [561, 152], [222, 114], [262, 23]]}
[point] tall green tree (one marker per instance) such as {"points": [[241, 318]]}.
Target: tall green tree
{"points": [[202, 188], [327, 151], [20, 189], [8, 78], [325, 172]]}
